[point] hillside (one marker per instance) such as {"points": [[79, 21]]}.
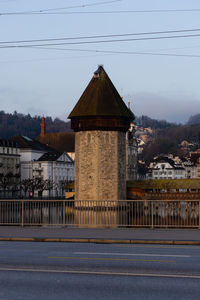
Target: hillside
{"points": [[20, 124], [166, 136], [194, 120], [145, 121], [168, 140]]}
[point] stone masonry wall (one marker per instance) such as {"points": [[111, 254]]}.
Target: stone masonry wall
{"points": [[100, 165]]}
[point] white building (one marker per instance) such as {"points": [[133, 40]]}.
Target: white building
{"points": [[9, 168], [41, 163], [166, 168]]}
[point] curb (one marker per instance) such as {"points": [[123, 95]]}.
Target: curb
{"points": [[101, 241]]}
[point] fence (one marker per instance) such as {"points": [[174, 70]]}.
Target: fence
{"points": [[122, 213]]}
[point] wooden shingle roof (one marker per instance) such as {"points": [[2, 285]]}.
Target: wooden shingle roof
{"points": [[101, 99]]}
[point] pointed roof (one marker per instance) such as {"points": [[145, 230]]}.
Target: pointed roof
{"points": [[101, 99]]}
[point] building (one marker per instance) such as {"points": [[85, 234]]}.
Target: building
{"points": [[48, 171], [57, 169], [60, 141], [100, 120], [131, 154], [166, 168], [9, 168]]}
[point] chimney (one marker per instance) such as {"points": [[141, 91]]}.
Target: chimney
{"points": [[43, 127]]}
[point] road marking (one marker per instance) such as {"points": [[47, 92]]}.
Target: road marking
{"points": [[80, 272], [131, 254], [160, 247], [111, 259]]}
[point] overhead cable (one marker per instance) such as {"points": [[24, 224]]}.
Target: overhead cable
{"points": [[103, 36], [49, 10], [104, 41], [54, 11]]}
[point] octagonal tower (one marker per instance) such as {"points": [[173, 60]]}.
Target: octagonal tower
{"points": [[100, 119]]}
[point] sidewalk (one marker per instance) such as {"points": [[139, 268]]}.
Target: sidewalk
{"points": [[90, 235]]}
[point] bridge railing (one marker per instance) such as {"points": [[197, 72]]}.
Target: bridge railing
{"points": [[109, 213]]}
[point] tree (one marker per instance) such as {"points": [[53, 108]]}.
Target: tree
{"points": [[49, 185], [63, 184], [25, 185]]}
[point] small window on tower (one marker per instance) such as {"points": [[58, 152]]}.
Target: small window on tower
{"points": [[107, 138]]}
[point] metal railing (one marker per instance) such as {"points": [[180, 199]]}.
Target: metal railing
{"points": [[121, 213]]}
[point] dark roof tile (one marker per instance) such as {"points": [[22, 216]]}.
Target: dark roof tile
{"points": [[101, 98]]}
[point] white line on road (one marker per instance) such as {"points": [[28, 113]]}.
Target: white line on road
{"points": [[80, 272], [130, 254]]}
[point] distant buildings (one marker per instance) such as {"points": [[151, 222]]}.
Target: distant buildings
{"points": [[166, 168], [47, 170], [169, 167], [131, 154], [9, 168]]}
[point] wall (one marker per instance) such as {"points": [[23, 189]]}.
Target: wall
{"points": [[100, 166]]}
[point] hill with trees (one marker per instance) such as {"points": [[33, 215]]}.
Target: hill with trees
{"points": [[145, 121], [20, 124], [194, 120], [168, 140]]}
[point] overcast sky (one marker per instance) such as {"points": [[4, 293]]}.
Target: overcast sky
{"points": [[157, 72]]}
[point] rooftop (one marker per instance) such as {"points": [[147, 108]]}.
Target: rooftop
{"points": [[27, 143], [101, 99]]}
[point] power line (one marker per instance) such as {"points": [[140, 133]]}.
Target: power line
{"points": [[110, 52], [103, 36], [121, 11], [123, 52], [104, 41], [53, 11], [49, 10]]}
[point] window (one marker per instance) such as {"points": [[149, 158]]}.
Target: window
{"points": [[88, 138]]}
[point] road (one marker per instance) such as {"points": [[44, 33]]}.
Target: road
{"points": [[57, 271]]}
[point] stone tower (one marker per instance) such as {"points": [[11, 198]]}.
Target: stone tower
{"points": [[100, 120]]}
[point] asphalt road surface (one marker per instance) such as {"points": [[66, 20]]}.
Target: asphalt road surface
{"points": [[55, 271]]}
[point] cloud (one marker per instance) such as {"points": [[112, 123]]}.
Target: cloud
{"points": [[170, 107]]}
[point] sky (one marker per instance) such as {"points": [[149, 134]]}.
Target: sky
{"points": [[50, 49]]}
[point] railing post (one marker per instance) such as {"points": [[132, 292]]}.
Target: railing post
{"points": [[64, 211], [22, 223], [199, 214], [152, 226]]}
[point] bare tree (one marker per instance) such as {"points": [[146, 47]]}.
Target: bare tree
{"points": [[49, 185], [25, 185]]}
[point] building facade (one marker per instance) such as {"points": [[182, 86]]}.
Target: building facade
{"points": [[166, 168], [44, 171], [9, 168]]}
